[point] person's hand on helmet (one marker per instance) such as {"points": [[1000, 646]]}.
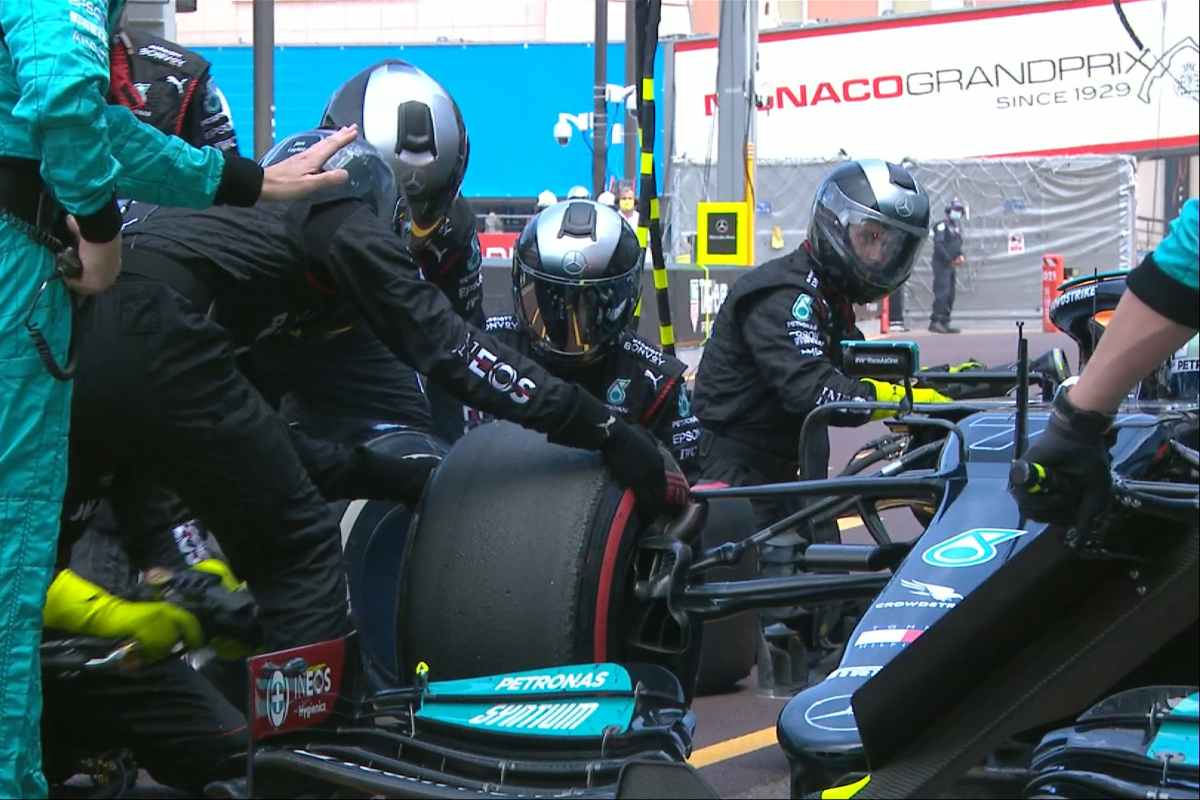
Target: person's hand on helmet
{"points": [[301, 175], [894, 393], [76, 605], [1071, 481]]}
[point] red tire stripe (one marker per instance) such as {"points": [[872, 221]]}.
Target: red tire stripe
{"points": [[608, 568]]}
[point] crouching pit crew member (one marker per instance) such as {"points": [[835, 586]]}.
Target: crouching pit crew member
{"points": [[577, 277]]}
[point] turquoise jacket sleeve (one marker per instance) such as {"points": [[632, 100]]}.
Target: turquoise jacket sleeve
{"points": [[1167, 279], [157, 168], [59, 50], [1176, 255]]}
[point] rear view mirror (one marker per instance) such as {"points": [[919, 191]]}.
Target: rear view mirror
{"points": [[651, 780], [882, 359]]}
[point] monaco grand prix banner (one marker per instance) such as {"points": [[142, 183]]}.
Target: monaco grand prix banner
{"points": [[1039, 79]]}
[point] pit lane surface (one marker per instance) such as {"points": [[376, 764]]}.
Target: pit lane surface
{"points": [[735, 746]]}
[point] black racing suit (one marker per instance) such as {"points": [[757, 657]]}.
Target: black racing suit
{"points": [[333, 381], [947, 246], [636, 380], [772, 358], [157, 384]]}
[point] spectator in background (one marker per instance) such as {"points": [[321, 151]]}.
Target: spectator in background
{"points": [[627, 205], [578, 192], [491, 223], [607, 198], [545, 199], [947, 257]]}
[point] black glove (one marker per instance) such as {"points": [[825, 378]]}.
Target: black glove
{"points": [[1074, 483], [631, 454], [375, 476]]}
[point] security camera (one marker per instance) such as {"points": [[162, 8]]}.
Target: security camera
{"points": [[562, 132]]}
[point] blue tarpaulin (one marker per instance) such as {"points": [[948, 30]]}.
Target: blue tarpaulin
{"points": [[510, 95]]}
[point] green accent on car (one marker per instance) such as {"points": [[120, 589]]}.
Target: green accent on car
{"points": [[1179, 734]]}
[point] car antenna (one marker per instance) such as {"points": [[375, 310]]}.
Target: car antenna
{"points": [[1022, 392], [1095, 308]]}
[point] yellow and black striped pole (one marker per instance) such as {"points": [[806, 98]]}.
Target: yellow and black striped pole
{"points": [[649, 216]]}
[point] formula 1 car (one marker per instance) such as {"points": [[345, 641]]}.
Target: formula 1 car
{"points": [[1006, 657]]}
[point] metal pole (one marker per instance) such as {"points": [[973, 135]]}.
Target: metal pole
{"points": [[264, 76], [600, 114], [631, 122], [732, 102]]}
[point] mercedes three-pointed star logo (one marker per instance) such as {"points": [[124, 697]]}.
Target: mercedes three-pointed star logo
{"points": [[832, 714], [574, 262]]}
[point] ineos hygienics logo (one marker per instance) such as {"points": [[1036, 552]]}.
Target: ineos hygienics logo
{"points": [[277, 699], [832, 714]]}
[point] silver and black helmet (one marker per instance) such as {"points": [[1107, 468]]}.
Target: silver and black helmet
{"points": [[869, 220], [370, 178], [577, 277], [416, 126]]}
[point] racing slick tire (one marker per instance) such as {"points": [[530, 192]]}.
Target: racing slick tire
{"points": [[730, 644], [374, 535], [522, 556]]}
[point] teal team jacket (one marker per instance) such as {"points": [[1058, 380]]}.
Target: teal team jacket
{"points": [[53, 109]]}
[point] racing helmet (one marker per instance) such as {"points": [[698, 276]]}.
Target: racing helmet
{"points": [[416, 126], [869, 220], [577, 277], [370, 178], [1178, 378]]}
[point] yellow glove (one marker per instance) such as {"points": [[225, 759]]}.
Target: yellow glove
{"points": [[226, 648], [894, 393], [966, 366], [215, 566], [79, 606]]}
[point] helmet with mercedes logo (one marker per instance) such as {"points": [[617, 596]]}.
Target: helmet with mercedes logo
{"points": [[869, 220], [417, 127], [577, 277]]}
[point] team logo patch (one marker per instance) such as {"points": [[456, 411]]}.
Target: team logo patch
{"points": [[802, 308], [685, 403], [277, 699], [616, 391], [969, 548]]}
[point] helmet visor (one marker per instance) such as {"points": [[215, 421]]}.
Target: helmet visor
{"points": [[575, 319], [879, 249]]}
